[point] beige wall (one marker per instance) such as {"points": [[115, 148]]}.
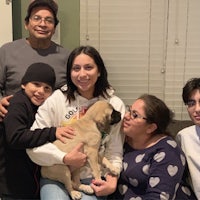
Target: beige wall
{"points": [[69, 21]]}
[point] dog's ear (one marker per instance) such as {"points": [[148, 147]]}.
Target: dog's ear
{"points": [[103, 124], [100, 117], [100, 112], [103, 119]]}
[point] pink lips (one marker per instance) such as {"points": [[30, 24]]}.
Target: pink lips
{"points": [[83, 82], [125, 124], [197, 118], [42, 31]]}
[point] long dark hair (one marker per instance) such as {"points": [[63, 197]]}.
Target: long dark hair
{"points": [[102, 83]]}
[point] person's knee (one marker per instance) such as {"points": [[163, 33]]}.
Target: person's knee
{"points": [[52, 190]]}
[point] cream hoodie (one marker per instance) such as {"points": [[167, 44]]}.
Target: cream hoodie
{"points": [[56, 110]]}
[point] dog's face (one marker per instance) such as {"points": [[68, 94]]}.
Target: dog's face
{"points": [[104, 115]]}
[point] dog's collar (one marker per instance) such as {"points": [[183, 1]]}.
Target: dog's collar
{"points": [[103, 134]]}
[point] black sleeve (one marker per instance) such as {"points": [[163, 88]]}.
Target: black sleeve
{"points": [[17, 125]]}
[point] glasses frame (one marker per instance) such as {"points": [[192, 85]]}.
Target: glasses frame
{"points": [[134, 114], [192, 103], [38, 19]]}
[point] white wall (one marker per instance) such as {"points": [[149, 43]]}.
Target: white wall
{"points": [[6, 33]]}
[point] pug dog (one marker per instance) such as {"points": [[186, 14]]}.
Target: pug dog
{"points": [[89, 129]]}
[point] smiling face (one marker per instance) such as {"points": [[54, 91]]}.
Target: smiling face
{"points": [[84, 74], [135, 127], [194, 107], [37, 91], [41, 29]]}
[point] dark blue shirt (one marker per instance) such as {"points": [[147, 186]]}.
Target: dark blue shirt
{"points": [[153, 173]]}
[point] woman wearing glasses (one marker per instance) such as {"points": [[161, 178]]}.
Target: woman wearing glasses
{"points": [[153, 164]]}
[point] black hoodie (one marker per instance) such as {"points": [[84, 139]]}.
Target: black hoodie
{"points": [[19, 176]]}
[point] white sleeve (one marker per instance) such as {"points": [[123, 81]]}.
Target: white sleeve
{"points": [[114, 147], [46, 155]]}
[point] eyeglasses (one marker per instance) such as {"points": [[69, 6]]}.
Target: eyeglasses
{"points": [[38, 19], [191, 103], [133, 113]]}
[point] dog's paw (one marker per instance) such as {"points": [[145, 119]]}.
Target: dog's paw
{"points": [[86, 189], [114, 170], [76, 195]]}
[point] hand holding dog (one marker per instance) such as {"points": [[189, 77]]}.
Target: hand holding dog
{"points": [[76, 158], [104, 187], [64, 132]]}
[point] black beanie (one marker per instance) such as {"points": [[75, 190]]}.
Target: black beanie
{"points": [[41, 72]]}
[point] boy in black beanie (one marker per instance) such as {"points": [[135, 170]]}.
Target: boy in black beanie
{"points": [[19, 176]]}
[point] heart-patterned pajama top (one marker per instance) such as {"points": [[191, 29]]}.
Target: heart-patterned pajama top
{"points": [[156, 172]]}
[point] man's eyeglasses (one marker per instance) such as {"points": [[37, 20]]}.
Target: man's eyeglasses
{"points": [[38, 19], [133, 113], [191, 103]]}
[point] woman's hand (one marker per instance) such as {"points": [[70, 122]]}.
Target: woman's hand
{"points": [[104, 187], [76, 158]]}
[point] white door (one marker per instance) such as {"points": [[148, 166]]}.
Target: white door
{"points": [[6, 33]]}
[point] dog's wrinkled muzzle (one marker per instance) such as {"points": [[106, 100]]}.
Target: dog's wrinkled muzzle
{"points": [[115, 117]]}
